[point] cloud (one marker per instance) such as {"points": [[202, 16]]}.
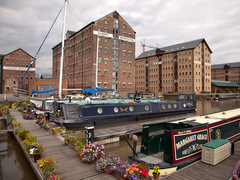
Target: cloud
{"points": [[24, 24]]}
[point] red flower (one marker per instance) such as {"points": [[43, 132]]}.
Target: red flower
{"points": [[144, 172]]}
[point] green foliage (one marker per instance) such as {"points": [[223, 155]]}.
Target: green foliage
{"points": [[219, 90], [16, 124], [2, 105], [227, 90], [80, 144], [6, 111], [22, 133], [233, 90], [30, 139]]}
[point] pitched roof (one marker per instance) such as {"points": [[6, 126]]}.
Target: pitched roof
{"points": [[21, 50], [221, 66], [175, 48], [224, 83]]}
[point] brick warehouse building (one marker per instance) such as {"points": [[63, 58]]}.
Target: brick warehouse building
{"points": [[13, 67], [116, 55], [226, 72], [179, 68]]}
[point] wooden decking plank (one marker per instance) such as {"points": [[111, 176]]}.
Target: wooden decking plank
{"points": [[69, 166]]}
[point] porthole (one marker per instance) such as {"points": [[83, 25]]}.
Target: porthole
{"points": [[116, 109], [131, 108], [100, 111], [146, 107]]}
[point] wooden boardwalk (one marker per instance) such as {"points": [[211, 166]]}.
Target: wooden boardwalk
{"points": [[201, 171], [69, 166]]}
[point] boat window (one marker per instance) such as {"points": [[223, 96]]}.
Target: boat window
{"points": [[181, 96]]}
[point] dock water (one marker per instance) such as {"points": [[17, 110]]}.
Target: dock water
{"points": [[69, 166]]}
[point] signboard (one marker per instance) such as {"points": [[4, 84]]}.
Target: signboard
{"points": [[17, 68], [126, 39], [189, 143], [103, 34]]}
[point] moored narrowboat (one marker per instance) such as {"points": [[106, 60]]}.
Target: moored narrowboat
{"points": [[178, 143], [79, 115]]}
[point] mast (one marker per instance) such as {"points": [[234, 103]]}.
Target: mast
{"points": [[97, 63], [62, 54]]}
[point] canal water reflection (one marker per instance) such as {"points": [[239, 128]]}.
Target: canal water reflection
{"points": [[13, 164], [123, 150]]}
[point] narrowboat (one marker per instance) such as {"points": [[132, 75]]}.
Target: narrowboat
{"points": [[79, 115], [176, 144]]}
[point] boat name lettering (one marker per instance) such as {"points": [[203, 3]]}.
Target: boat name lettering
{"points": [[183, 132], [185, 141], [123, 109], [192, 148], [190, 139]]}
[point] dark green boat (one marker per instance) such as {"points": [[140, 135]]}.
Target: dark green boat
{"points": [[178, 143]]}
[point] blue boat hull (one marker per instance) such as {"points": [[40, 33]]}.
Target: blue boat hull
{"points": [[78, 116]]}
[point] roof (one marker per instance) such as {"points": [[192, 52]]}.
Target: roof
{"points": [[224, 83], [46, 76], [175, 48], [21, 50], [221, 66]]}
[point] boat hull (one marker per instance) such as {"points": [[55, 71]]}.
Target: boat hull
{"points": [[181, 141], [105, 114]]}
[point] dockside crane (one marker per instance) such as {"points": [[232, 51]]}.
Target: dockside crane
{"points": [[143, 44]]}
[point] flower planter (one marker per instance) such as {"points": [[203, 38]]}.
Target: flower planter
{"points": [[107, 171], [156, 176], [119, 176], [57, 133], [36, 157]]}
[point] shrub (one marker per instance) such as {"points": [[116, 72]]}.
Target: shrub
{"points": [[22, 133], [227, 90], [219, 90], [233, 90]]}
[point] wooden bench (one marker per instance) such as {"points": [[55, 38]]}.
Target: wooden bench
{"points": [[236, 172]]}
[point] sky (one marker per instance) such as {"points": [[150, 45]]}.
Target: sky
{"points": [[24, 24]]}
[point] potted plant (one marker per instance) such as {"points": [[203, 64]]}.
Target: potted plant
{"points": [[36, 151], [137, 171], [120, 169], [69, 132], [50, 125], [58, 130], [92, 151], [47, 165], [79, 145], [156, 172], [22, 133], [108, 163]]}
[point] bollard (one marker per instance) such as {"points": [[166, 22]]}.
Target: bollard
{"points": [[135, 140], [89, 133]]}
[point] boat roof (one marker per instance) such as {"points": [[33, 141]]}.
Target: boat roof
{"points": [[212, 118]]}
